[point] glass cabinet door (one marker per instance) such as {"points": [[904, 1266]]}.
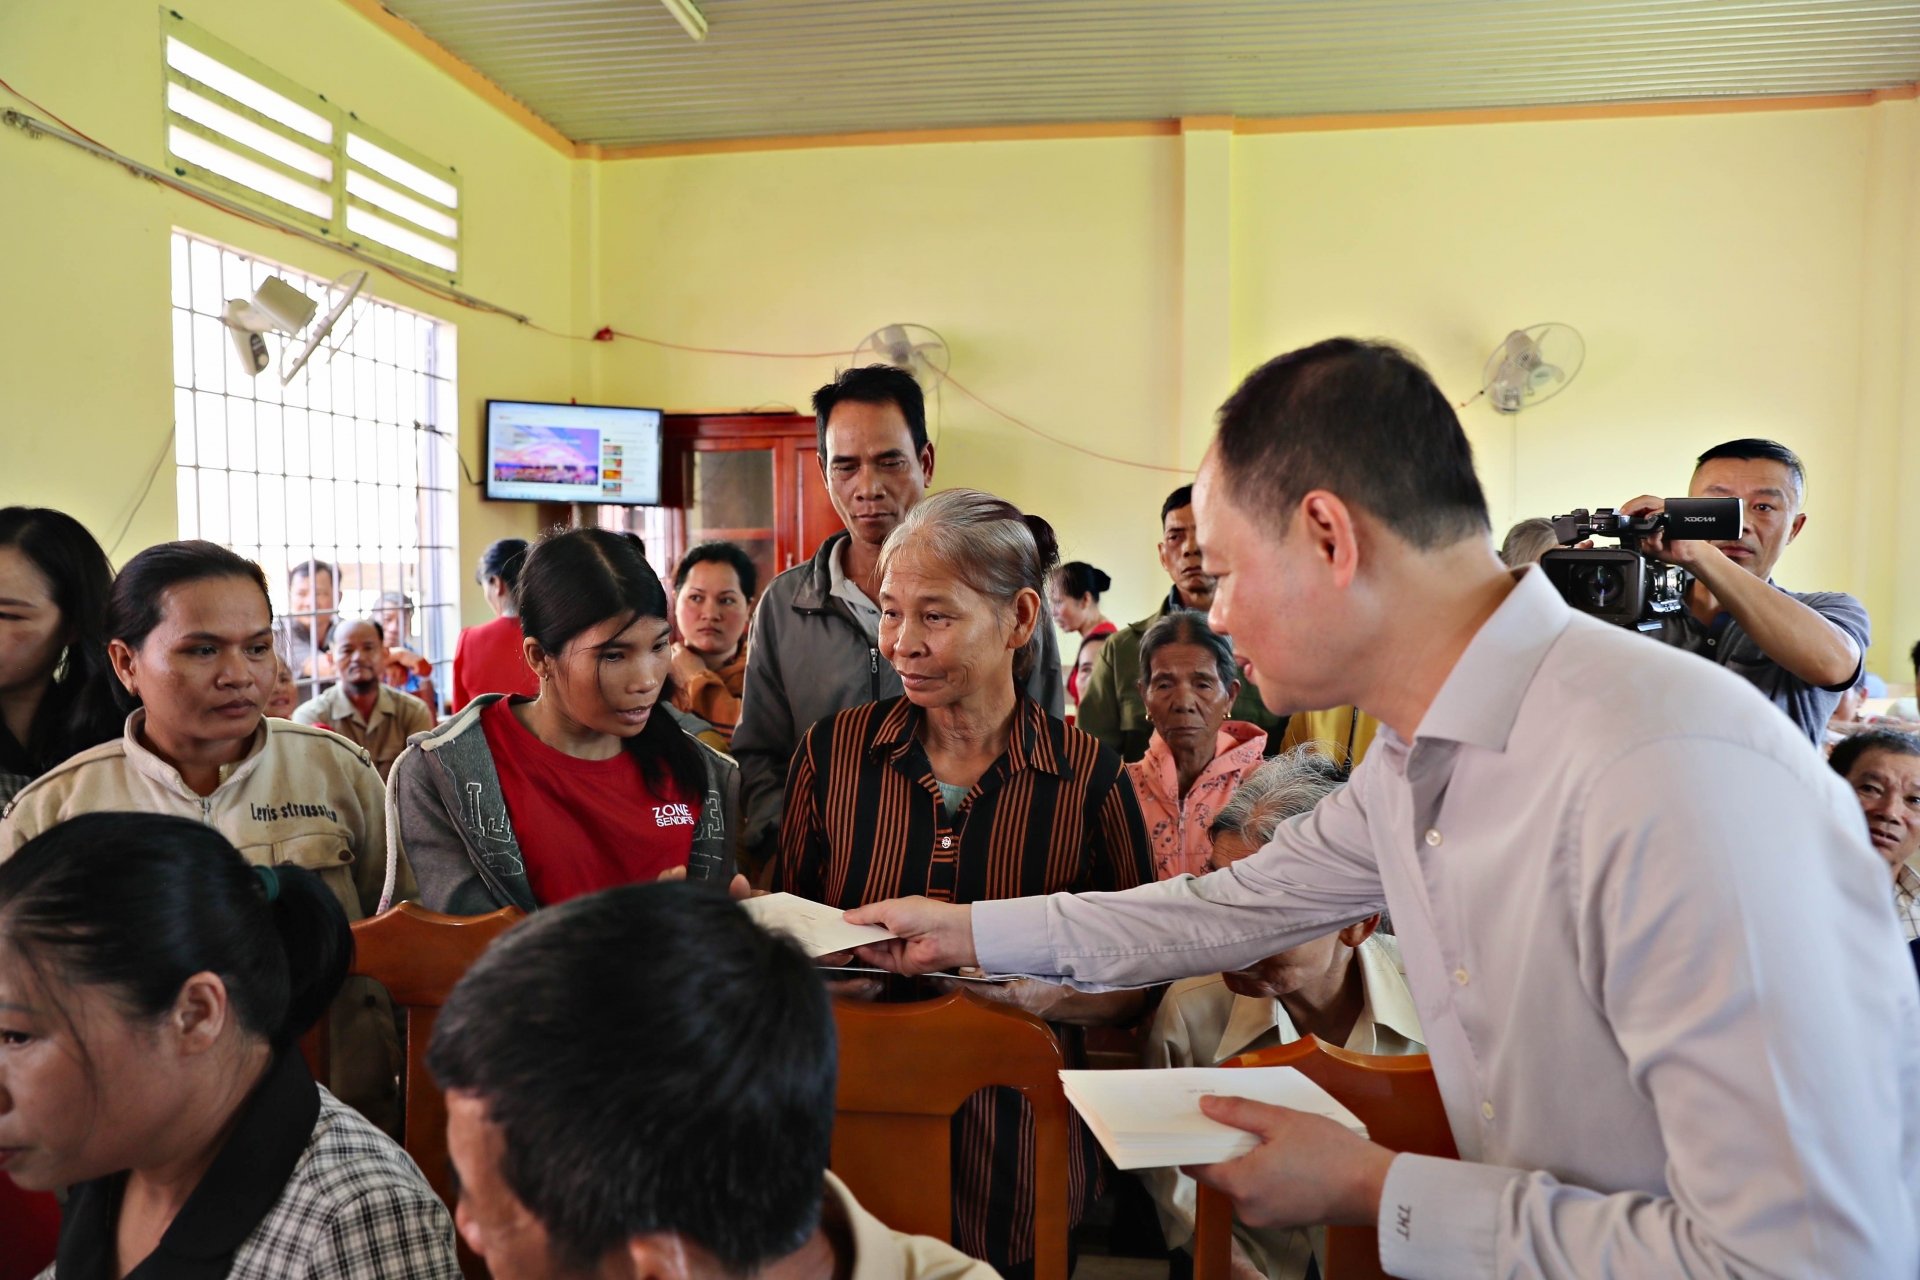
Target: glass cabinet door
{"points": [[731, 499]]}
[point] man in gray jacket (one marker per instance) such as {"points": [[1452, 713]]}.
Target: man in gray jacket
{"points": [[814, 647]]}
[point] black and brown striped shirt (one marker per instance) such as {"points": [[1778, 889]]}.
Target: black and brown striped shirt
{"points": [[864, 821]]}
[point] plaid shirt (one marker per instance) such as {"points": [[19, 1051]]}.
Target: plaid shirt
{"points": [[1906, 899], [354, 1207]]}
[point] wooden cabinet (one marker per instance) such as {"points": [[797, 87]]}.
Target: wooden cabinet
{"points": [[747, 478]]}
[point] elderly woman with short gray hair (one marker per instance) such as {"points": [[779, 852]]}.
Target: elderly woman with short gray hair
{"points": [[966, 789], [1346, 989]]}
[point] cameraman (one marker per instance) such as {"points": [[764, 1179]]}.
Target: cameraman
{"points": [[1803, 650]]}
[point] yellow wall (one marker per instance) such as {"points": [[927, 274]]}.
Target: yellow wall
{"points": [[85, 346], [1733, 274]]}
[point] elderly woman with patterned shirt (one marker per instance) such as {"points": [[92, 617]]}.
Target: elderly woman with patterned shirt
{"points": [[966, 789]]}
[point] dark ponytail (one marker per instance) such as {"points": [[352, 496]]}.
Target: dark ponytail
{"points": [[139, 903], [575, 579], [81, 707], [1077, 578]]}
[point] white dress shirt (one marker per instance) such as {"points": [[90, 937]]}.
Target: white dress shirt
{"points": [[1670, 1015]]}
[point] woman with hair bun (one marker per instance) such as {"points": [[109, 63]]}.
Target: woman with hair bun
{"points": [[1073, 595], [152, 986], [489, 658], [591, 783], [965, 789]]}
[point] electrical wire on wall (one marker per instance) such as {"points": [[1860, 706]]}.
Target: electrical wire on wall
{"points": [[63, 131]]}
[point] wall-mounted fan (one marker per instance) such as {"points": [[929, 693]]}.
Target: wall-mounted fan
{"points": [[913, 347], [278, 307], [1533, 364]]}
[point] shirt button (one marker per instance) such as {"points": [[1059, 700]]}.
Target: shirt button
{"points": [[1433, 835], [1460, 976], [946, 842], [1486, 1109]]}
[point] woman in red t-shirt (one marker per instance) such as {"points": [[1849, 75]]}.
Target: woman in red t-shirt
{"points": [[489, 658], [589, 784]]}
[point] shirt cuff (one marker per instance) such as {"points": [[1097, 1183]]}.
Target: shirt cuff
{"points": [[1010, 936], [1440, 1219]]}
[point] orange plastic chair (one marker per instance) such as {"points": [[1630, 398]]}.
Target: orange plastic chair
{"points": [[418, 956], [1398, 1101], [905, 1069]]}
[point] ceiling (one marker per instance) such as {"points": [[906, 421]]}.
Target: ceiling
{"points": [[619, 72]]}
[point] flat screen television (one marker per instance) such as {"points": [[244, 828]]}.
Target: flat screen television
{"points": [[540, 452]]}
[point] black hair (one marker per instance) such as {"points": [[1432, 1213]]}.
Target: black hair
{"points": [[81, 706], [134, 607], [1187, 626], [631, 1105], [502, 560], [1848, 751], [1363, 420], [574, 579], [1914, 657], [874, 384], [1181, 497], [308, 568], [140, 902], [1754, 449], [721, 553], [1077, 578]]}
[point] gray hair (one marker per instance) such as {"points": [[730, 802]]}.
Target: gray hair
{"points": [[1527, 541], [987, 543], [1286, 786], [1187, 626]]}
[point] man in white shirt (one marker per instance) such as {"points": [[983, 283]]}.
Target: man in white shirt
{"points": [[1667, 1007]]}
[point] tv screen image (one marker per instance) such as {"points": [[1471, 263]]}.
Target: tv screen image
{"points": [[539, 452]]}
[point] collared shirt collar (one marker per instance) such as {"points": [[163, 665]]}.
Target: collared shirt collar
{"points": [[235, 1195], [1029, 745], [1481, 696], [1389, 1004], [339, 706], [146, 762]]}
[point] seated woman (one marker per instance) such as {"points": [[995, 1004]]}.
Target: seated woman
{"points": [[491, 658], [1345, 989], [713, 591], [190, 634], [527, 802], [57, 691], [1196, 756], [965, 789], [152, 985]]}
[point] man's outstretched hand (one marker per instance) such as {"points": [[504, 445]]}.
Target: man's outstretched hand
{"points": [[928, 936], [1306, 1171]]}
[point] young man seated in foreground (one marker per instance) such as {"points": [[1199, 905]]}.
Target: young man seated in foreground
{"points": [[606, 1119]]}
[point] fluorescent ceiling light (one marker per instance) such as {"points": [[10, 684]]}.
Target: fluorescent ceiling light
{"points": [[687, 15]]}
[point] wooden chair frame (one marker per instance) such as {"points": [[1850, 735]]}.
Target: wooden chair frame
{"points": [[905, 1069], [1395, 1096], [418, 956]]}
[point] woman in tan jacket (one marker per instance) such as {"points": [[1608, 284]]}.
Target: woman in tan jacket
{"points": [[190, 635]]}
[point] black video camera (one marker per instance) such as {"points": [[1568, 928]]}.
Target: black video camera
{"points": [[1621, 584]]}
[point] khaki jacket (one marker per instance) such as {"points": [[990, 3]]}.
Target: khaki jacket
{"points": [[396, 717], [301, 797]]}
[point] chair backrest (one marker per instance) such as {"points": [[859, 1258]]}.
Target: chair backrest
{"points": [[905, 1069], [418, 956], [1394, 1096]]}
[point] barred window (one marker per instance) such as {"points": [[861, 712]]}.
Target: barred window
{"points": [[350, 466]]}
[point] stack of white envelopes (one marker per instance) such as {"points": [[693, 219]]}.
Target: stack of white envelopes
{"points": [[1152, 1119]]}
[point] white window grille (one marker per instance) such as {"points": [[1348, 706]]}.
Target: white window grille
{"points": [[243, 129], [352, 464]]}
